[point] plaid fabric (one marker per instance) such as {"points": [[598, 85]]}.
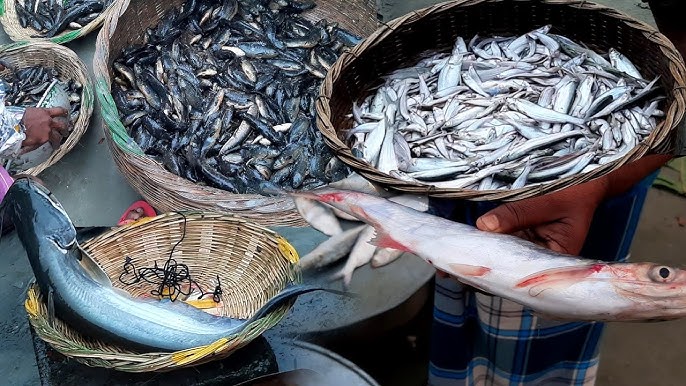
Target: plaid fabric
{"points": [[482, 340]]}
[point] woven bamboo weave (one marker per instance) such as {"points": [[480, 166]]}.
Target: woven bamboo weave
{"points": [[253, 264]]}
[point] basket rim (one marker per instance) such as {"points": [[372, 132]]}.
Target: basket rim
{"points": [[9, 21], [324, 123], [82, 124], [134, 362]]}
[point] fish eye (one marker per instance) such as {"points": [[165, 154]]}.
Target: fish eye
{"points": [[662, 274]]}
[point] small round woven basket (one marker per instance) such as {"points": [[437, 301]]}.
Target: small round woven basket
{"points": [[401, 42], [163, 189], [253, 264], [69, 66], [10, 23]]}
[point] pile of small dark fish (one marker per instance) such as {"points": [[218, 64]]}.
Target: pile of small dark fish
{"points": [[223, 94], [51, 17], [27, 85]]}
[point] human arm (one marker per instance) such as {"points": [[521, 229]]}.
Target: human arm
{"points": [[560, 220]]}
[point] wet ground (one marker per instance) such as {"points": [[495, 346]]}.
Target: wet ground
{"points": [[632, 354]]}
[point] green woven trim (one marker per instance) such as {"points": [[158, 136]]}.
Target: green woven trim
{"points": [[110, 115], [14, 46], [2, 7], [69, 36]]}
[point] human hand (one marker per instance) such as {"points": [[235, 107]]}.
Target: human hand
{"points": [[558, 221], [43, 125]]}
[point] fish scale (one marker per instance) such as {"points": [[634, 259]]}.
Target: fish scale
{"points": [[547, 90]]}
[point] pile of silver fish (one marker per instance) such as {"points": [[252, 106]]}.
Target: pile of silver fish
{"points": [[51, 17], [352, 243], [505, 113], [26, 86], [223, 94]]}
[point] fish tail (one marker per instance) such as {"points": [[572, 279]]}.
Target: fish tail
{"points": [[290, 293]]}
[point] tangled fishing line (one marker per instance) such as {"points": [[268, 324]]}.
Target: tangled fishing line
{"points": [[170, 278]]}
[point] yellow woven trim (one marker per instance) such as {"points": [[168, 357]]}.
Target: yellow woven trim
{"points": [[203, 303], [288, 251], [191, 355], [31, 304], [142, 221]]}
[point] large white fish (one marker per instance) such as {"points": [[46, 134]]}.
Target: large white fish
{"points": [[549, 283]]}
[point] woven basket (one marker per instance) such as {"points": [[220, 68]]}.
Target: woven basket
{"points": [[69, 66], [10, 23], [167, 191], [253, 264], [400, 42]]}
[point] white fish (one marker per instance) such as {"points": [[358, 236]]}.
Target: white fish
{"points": [[548, 283], [331, 250], [361, 254], [384, 256], [320, 217], [622, 63]]}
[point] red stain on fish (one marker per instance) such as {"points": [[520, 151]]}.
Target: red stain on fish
{"points": [[331, 197], [386, 241], [561, 274]]}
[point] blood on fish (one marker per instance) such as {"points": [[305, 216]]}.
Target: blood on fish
{"points": [[331, 197], [561, 274], [385, 241]]}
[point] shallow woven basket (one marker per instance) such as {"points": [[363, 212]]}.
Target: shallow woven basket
{"points": [[10, 23], [69, 66], [253, 264], [401, 41], [163, 189]]}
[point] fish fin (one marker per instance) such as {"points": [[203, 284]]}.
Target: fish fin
{"points": [[557, 278], [382, 239], [51, 307], [468, 270], [93, 269]]}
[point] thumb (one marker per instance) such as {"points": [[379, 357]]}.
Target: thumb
{"points": [[516, 216]]}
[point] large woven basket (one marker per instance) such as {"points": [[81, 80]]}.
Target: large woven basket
{"points": [[253, 264], [10, 23], [69, 66], [400, 42], [167, 191]]}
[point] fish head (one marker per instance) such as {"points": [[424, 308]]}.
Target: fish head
{"points": [[37, 215], [625, 291], [658, 292]]}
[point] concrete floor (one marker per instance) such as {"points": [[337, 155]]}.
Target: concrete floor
{"points": [[633, 354]]}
